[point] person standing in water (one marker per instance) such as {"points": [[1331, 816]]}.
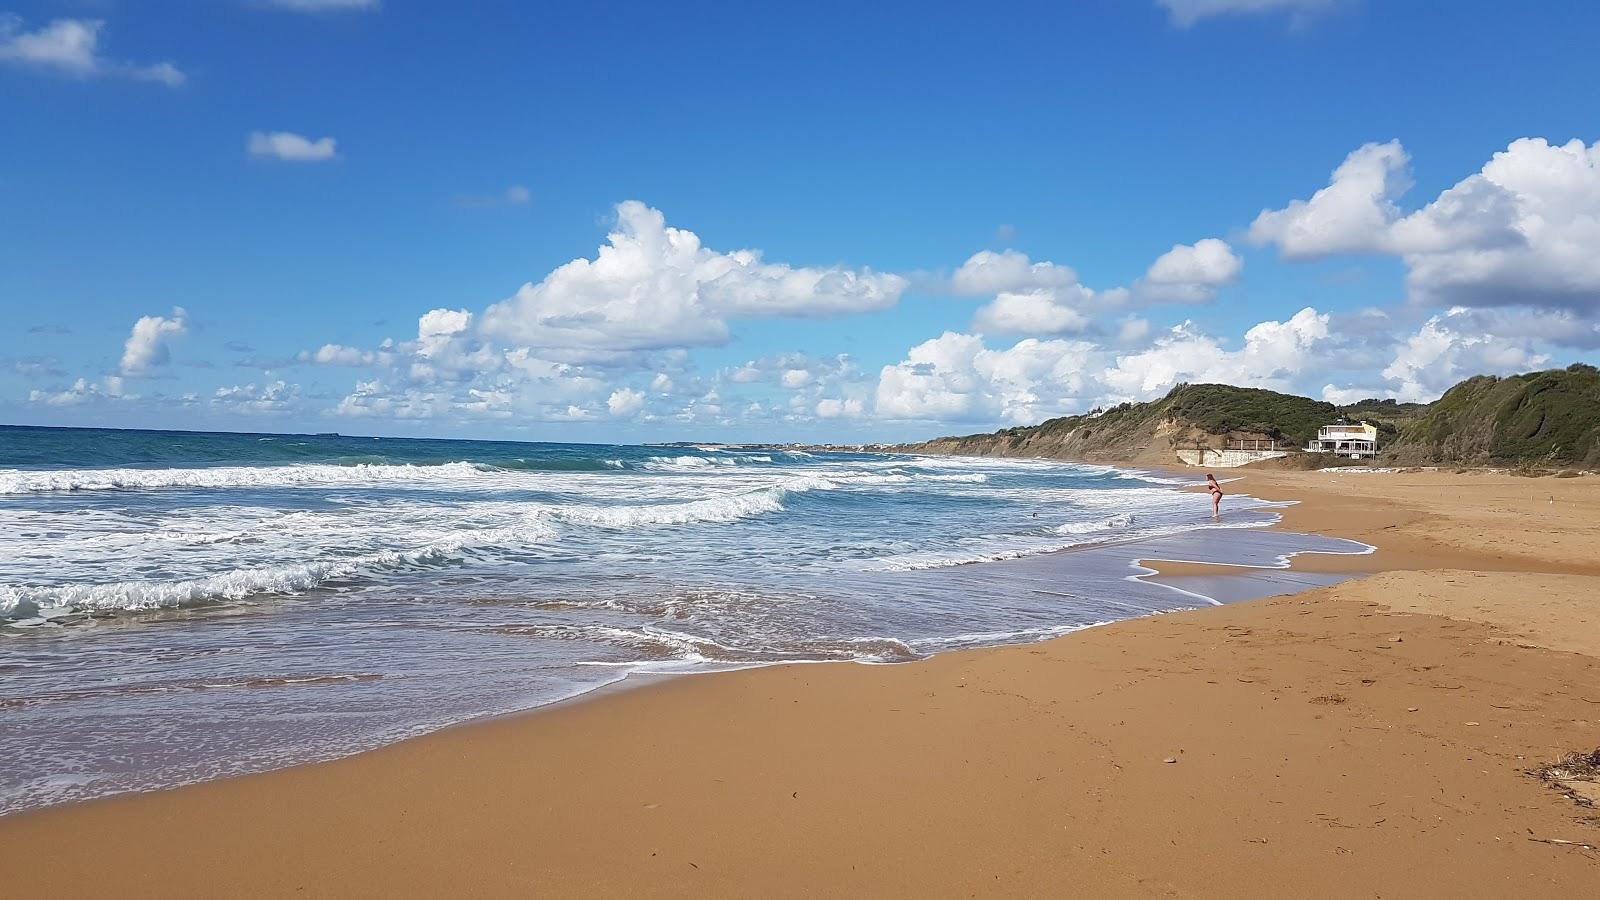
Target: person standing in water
{"points": [[1216, 495]]}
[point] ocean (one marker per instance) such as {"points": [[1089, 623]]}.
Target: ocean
{"points": [[179, 606]]}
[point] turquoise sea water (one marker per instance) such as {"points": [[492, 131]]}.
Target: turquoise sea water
{"points": [[179, 606]]}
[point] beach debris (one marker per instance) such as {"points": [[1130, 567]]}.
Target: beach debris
{"points": [[1472, 724], [1170, 759], [1411, 709], [1576, 775], [1329, 699], [1559, 842], [1397, 639]]}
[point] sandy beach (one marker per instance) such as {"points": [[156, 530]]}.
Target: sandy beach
{"points": [[643, 450], [1375, 738]]}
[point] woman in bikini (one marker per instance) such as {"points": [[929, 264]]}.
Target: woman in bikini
{"points": [[1216, 495]]}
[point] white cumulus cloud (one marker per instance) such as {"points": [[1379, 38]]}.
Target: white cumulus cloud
{"points": [[1523, 230], [448, 372], [794, 379], [841, 408], [624, 403], [437, 326], [340, 355], [793, 371], [83, 391], [1208, 263], [1273, 356], [1351, 215], [72, 47], [987, 272], [654, 287], [374, 399], [1185, 13], [1033, 312], [1520, 232], [1440, 354], [290, 147], [146, 347], [276, 396], [1047, 299], [954, 377], [957, 377]]}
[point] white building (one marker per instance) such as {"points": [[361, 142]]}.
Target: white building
{"points": [[1354, 441]]}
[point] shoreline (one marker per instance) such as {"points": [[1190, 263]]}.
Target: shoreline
{"points": [[1386, 523], [710, 773], [1227, 585]]}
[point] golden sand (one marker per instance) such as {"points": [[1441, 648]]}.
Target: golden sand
{"points": [[1370, 739]]}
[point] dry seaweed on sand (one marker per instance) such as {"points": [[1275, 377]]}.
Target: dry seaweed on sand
{"points": [[1577, 775]]}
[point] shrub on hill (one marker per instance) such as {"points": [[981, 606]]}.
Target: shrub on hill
{"points": [[1547, 420], [1540, 418], [1221, 408]]}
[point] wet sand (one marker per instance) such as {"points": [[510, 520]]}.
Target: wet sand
{"points": [[1369, 739]]}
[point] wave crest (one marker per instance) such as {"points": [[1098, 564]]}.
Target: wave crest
{"points": [[725, 508], [664, 645], [239, 584], [1109, 524], [14, 481], [22, 602]]}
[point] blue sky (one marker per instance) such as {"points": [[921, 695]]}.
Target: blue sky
{"points": [[321, 214]]}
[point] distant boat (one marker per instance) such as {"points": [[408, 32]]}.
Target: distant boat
{"points": [[327, 434]]}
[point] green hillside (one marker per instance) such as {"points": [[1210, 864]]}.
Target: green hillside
{"points": [[1188, 416], [1549, 418], [1221, 409], [1542, 420]]}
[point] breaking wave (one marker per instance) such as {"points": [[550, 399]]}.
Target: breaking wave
{"points": [[1077, 534], [21, 481], [905, 478], [1111, 524], [990, 638], [657, 645], [538, 525], [701, 463], [727, 508], [15, 481], [242, 583], [680, 463]]}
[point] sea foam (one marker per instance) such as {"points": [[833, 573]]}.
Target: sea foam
{"points": [[238, 584], [16, 481]]}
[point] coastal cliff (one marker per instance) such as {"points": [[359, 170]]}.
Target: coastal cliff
{"points": [[1539, 419], [1189, 416]]}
